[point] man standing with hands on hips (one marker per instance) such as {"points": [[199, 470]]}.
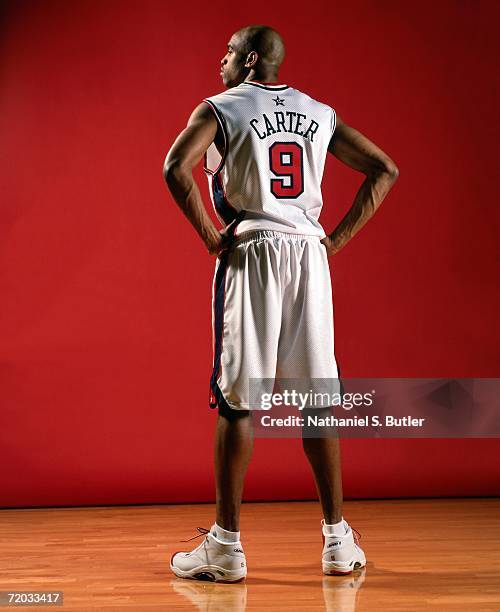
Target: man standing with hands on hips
{"points": [[264, 145]]}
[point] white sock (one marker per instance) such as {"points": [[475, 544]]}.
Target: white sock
{"points": [[339, 528], [224, 535]]}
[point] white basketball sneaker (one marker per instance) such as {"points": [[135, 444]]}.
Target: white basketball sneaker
{"points": [[212, 560], [341, 553]]}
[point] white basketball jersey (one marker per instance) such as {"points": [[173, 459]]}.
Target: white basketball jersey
{"points": [[275, 145]]}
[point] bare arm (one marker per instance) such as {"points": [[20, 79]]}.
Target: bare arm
{"points": [[356, 151], [183, 156]]}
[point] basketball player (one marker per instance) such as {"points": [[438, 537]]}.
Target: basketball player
{"points": [[264, 145]]}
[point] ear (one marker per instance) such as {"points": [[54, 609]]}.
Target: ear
{"points": [[252, 58]]}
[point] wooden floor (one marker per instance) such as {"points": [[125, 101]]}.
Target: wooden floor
{"points": [[422, 554]]}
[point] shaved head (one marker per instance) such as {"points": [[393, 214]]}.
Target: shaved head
{"points": [[255, 52], [263, 40]]}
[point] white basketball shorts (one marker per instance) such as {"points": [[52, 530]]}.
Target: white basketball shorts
{"points": [[272, 314]]}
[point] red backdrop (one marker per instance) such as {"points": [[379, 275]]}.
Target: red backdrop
{"points": [[105, 327]]}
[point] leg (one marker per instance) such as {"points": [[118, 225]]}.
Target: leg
{"points": [[341, 552], [216, 558], [233, 449], [247, 325], [306, 353], [324, 456]]}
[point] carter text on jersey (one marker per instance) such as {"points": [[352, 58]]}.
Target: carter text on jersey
{"points": [[288, 121]]}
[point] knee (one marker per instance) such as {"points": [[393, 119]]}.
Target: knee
{"points": [[230, 414]]}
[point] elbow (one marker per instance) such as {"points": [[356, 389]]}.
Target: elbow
{"points": [[171, 169], [175, 173], [384, 170], [391, 170]]}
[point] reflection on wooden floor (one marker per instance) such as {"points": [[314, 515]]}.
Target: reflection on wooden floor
{"points": [[422, 554]]}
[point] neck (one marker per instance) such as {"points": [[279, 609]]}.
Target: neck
{"points": [[264, 77]]}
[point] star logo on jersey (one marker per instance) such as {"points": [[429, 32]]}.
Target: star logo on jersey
{"points": [[279, 101]]}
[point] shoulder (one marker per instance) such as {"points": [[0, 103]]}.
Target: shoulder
{"points": [[315, 101], [323, 110], [320, 106], [229, 96], [202, 113]]}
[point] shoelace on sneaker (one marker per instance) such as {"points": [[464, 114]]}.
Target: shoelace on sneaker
{"points": [[356, 535], [202, 531]]}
